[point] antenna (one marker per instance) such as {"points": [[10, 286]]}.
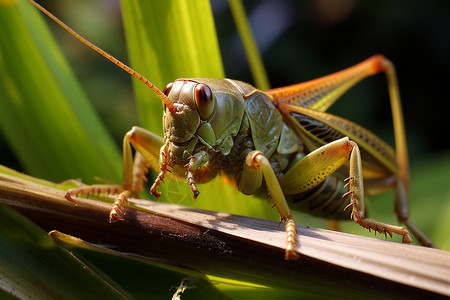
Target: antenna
{"points": [[108, 56]]}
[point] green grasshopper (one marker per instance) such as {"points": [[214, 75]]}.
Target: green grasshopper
{"points": [[281, 139]]}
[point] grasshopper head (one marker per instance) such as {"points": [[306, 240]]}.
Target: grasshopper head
{"points": [[208, 116], [205, 116], [187, 130]]}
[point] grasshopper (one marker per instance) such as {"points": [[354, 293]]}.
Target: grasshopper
{"points": [[281, 139]]}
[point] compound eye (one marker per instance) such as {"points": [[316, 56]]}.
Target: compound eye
{"points": [[204, 100], [167, 89]]}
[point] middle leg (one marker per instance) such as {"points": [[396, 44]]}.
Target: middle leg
{"points": [[256, 165]]}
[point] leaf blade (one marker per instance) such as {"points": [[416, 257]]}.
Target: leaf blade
{"points": [[45, 116]]}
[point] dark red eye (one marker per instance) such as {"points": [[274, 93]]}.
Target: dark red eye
{"points": [[205, 101], [167, 89]]}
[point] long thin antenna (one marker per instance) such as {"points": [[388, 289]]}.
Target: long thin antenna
{"points": [[108, 56]]}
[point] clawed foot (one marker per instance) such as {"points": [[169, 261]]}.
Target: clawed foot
{"points": [[116, 213]]}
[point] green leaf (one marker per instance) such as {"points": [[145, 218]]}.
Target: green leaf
{"points": [[33, 266], [44, 115], [141, 276], [248, 41]]}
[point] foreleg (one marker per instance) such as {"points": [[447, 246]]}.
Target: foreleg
{"points": [[147, 147]]}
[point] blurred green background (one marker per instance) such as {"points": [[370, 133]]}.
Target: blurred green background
{"points": [[300, 40]]}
